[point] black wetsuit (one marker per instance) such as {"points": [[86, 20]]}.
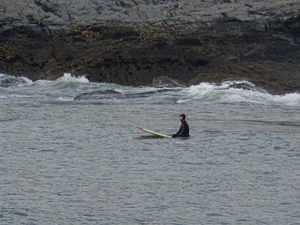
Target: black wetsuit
{"points": [[183, 130]]}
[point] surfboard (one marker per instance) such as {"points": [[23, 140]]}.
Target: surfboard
{"points": [[152, 132]]}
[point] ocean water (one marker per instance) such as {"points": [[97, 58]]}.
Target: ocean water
{"points": [[67, 161]]}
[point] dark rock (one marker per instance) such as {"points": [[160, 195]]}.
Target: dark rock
{"points": [[99, 95], [2, 71], [276, 78], [131, 42], [110, 94]]}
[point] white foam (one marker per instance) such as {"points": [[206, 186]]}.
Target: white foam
{"points": [[67, 77], [65, 99], [27, 80], [120, 90], [226, 93], [8, 80], [291, 99], [226, 84]]}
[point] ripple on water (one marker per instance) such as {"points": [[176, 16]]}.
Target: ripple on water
{"points": [[86, 164]]}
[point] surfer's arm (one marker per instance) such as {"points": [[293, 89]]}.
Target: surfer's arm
{"points": [[182, 129]]}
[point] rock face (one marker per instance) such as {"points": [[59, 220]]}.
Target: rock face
{"points": [[130, 42]]}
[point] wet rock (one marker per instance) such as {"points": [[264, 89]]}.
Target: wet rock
{"points": [[164, 81], [2, 71], [107, 94], [131, 42], [110, 94], [276, 78]]}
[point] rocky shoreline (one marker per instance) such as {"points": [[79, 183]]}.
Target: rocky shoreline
{"points": [[130, 42]]}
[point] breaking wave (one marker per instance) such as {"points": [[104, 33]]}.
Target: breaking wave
{"points": [[236, 91], [69, 88], [9, 81]]}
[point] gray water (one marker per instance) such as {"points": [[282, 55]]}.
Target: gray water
{"points": [[64, 161]]}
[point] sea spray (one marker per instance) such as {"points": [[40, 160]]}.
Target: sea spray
{"points": [[68, 87], [236, 91], [9, 81]]}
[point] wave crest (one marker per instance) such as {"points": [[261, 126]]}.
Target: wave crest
{"points": [[68, 78], [236, 91], [12, 81]]}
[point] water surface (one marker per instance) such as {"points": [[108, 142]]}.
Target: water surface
{"points": [[66, 161]]}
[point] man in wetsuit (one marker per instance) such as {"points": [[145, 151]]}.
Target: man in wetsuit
{"points": [[184, 128]]}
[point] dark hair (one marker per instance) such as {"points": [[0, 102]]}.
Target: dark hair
{"points": [[182, 116]]}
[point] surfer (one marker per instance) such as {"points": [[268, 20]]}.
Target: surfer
{"points": [[184, 128]]}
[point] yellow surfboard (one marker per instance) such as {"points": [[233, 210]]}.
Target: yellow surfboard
{"points": [[152, 132]]}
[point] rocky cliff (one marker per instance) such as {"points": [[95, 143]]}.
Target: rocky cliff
{"points": [[130, 42]]}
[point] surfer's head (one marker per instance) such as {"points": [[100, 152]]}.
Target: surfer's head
{"points": [[182, 117]]}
